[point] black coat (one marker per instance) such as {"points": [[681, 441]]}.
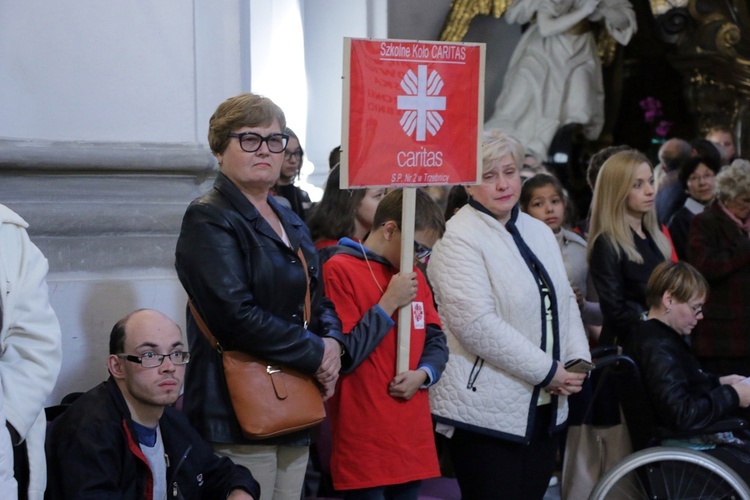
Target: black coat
{"points": [[685, 397], [92, 452], [250, 289], [679, 230], [621, 285]]}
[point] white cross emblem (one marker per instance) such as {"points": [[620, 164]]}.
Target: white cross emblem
{"points": [[422, 102]]}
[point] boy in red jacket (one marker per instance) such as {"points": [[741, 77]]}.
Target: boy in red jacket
{"points": [[383, 443]]}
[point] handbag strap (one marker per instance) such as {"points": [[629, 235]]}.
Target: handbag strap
{"points": [[203, 327], [306, 312]]}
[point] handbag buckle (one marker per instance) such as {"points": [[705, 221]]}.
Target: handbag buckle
{"points": [[277, 382]]}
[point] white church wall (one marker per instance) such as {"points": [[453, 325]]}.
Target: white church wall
{"points": [[104, 110]]}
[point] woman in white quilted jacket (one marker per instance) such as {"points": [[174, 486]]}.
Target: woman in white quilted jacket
{"points": [[512, 322]]}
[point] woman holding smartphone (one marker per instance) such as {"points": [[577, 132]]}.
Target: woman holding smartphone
{"points": [[511, 321]]}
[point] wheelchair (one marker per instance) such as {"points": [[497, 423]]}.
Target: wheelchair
{"points": [[654, 471]]}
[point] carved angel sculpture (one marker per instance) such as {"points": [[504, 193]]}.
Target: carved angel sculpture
{"points": [[554, 77]]}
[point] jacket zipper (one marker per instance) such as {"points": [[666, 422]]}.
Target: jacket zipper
{"points": [[175, 489]]}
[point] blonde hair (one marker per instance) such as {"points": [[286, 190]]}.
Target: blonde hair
{"points": [[608, 207], [498, 144]]}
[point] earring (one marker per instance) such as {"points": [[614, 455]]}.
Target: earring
{"points": [[669, 310]]}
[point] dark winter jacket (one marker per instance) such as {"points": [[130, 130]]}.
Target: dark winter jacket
{"points": [[93, 452], [685, 397]]}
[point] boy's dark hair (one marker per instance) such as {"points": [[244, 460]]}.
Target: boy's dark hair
{"points": [[427, 214]]}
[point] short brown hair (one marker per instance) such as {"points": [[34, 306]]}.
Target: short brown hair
{"points": [[427, 213], [681, 279], [244, 110]]}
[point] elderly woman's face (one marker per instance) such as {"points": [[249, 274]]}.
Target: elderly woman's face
{"points": [[739, 206], [700, 184], [500, 188], [252, 171]]}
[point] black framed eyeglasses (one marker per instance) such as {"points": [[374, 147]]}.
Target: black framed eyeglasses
{"points": [[289, 154], [697, 309], [152, 360], [421, 251], [250, 142]]}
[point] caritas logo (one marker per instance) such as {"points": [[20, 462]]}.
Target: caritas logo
{"points": [[421, 103], [417, 312]]}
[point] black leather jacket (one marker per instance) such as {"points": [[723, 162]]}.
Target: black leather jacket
{"points": [[621, 286], [250, 289], [685, 397]]}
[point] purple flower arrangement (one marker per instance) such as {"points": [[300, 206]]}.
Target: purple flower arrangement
{"points": [[652, 111]]}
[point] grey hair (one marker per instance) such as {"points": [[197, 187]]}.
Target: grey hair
{"points": [[497, 144], [733, 181]]}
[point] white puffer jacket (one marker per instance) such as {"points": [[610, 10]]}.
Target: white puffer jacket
{"points": [[30, 342], [490, 307]]}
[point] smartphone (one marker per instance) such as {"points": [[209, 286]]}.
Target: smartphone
{"points": [[579, 366]]}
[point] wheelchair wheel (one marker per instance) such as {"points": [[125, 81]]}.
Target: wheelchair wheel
{"points": [[670, 473]]}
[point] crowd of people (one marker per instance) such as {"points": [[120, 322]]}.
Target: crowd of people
{"points": [[500, 298]]}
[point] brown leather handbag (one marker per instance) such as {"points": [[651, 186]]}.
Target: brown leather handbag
{"points": [[268, 399]]}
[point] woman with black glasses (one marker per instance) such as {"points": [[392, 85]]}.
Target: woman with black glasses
{"points": [[244, 260], [285, 190]]}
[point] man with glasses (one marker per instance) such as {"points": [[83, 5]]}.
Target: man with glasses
{"points": [[122, 439]]}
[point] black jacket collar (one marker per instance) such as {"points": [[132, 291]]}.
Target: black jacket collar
{"points": [[291, 222]]}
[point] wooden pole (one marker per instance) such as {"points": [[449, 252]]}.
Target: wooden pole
{"points": [[407, 265]]}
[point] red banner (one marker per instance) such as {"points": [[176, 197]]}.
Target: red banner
{"points": [[413, 113]]}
